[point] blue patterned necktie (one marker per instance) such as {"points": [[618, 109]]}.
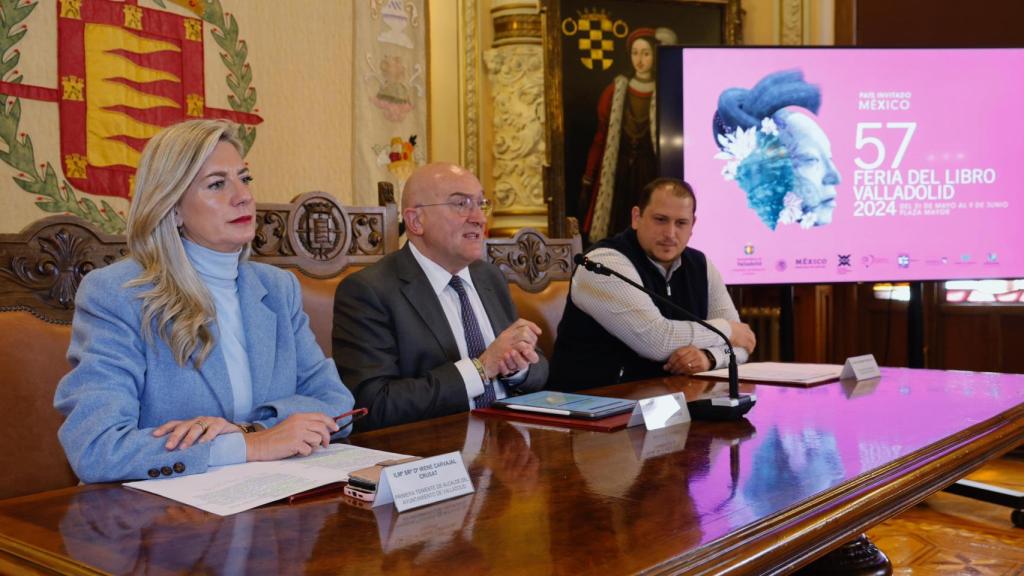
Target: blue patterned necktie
{"points": [[474, 339]]}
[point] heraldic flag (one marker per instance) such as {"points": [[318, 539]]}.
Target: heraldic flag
{"points": [[125, 73]]}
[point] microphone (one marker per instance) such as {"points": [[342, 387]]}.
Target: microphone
{"points": [[732, 407]]}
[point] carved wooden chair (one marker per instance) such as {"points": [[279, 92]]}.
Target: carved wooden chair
{"points": [[538, 269], [42, 266], [322, 241], [40, 269]]}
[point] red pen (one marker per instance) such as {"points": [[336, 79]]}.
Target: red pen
{"points": [[355, 414]]}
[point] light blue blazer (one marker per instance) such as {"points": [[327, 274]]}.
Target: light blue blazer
{"points": [[122, 386]]}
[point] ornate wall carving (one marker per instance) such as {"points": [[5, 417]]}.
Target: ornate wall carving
{"points": [[791, 22], [532, 260], [515, 68], [42, 266], [320, 236], [470, 110], [516, 74]]}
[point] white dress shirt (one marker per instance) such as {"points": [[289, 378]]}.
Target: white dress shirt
{"points": [[449, 299]]}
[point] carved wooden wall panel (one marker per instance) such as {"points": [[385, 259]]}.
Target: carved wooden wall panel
{"points": [[532, 260], [42, 266], [319, 236]]}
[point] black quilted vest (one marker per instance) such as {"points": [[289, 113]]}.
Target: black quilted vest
{"points": [[587, 356]]}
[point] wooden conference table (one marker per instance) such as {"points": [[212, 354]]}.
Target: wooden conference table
{"points": [[810, 470]]}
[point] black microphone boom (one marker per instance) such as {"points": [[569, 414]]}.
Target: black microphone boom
{"points": [[732, 407]]}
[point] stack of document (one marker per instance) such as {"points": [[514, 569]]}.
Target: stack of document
{"points": [[226, 490], [782, 372]]}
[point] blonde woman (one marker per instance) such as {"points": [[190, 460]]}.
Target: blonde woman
{"points": [[186, 355]]}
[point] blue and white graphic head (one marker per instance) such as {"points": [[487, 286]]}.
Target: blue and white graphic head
{"points": [[779, 156]]}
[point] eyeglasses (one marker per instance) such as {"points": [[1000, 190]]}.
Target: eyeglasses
{"points": [[463, 204]]}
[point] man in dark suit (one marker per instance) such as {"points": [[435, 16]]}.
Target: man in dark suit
{"points": [[431, 330]]}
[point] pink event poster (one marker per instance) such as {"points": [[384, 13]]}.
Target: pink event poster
{"points": [[817, 165]]}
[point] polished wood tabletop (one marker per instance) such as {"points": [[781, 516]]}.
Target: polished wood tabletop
{"points": [[807, 471]]}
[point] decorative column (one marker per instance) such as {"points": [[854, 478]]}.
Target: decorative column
{"points": [[515, 68], [806, 22], [791, 22]]}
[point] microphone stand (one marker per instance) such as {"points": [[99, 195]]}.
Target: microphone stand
{"points": [[732, 407]]}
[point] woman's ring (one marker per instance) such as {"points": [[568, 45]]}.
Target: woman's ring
{"points": [[202, 424]]}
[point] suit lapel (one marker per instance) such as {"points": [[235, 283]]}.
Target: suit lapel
{"points": [[215, 372], [489, 297], [259, 324], [420, 294]]}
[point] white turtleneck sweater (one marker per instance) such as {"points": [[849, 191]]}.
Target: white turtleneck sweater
{"points": [[219, 272]]}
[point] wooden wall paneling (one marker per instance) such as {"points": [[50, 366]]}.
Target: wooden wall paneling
{"points": [[825, 322], [884, 328], [933, 293], [845, 23], [813, 325], [937, 357], [739, 295], [970, 338], [847, 321], [756, 296], [1011, 333], [935, 23], [765, 322], [980, 337], [803, 323], [760, 306]]}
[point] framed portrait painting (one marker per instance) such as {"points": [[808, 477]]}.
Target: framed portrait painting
{"points": [[600, 69]]}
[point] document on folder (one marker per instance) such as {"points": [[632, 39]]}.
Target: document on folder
{"points": [[227, 490], [782, 373]]}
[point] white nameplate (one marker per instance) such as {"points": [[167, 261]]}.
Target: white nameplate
{"points": [[661, 411], [637, 417], [860, 368], [421, 482]]}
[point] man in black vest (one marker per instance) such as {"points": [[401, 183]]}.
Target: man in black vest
{"points": [[611, 332]]}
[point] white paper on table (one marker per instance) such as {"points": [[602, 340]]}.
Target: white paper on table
{"points": [[227, 490], [782, 372]]}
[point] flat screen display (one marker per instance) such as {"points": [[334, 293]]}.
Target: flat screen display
{"points": [[841, 165]]}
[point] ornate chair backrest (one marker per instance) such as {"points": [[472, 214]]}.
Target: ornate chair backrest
{"points": [[41, 266], [538, 270], [320, 237]]}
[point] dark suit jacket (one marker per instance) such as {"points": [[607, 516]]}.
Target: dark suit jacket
{"points": [[393, 345]]}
